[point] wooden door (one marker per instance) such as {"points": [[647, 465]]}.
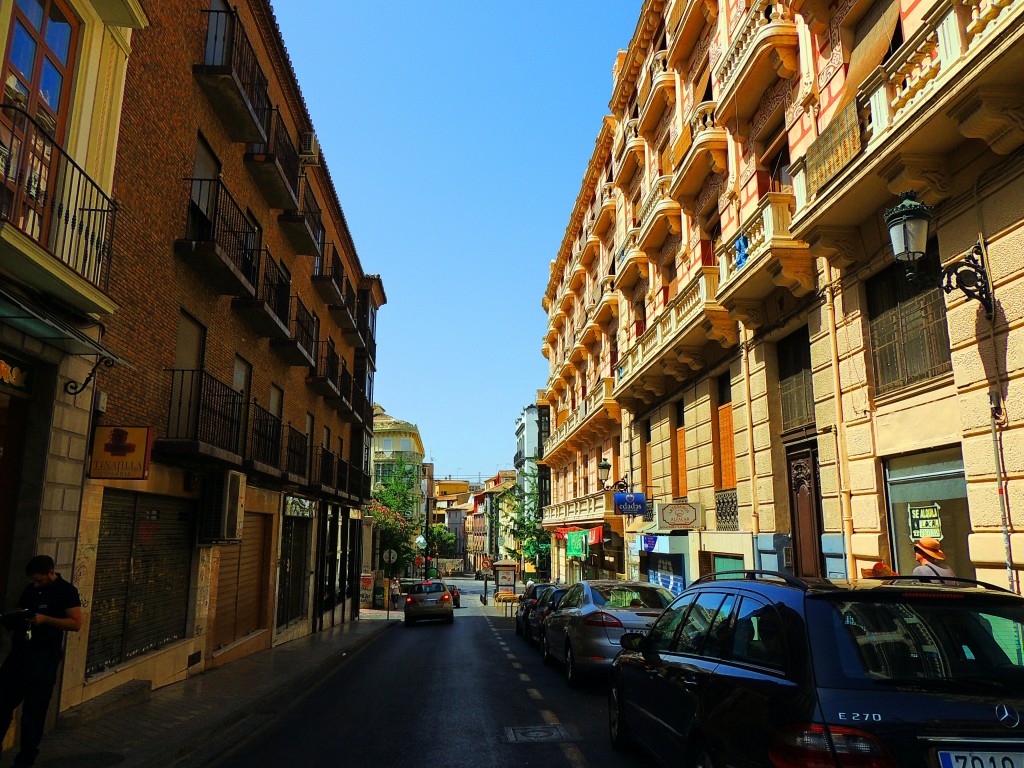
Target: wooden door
{"points": [[805, 504]]}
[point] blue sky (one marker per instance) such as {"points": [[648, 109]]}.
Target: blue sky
{"points": [[457, 134]]}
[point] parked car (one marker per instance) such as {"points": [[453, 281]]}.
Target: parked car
{"points": [[428, 600], [527, 602], [547, 603], [584, 632], [456, 594], [886, 674]]}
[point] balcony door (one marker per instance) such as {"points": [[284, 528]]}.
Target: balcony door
{"points": [[186, 379]]}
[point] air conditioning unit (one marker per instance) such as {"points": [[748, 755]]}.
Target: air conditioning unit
{"points": [[309, 149], [223, 508]]}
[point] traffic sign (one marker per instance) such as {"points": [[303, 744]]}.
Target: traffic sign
{"points": [[419, 560], [485, 563], [390, 556]]}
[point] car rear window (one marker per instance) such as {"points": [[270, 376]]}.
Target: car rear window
{"points": [[956, 640], [424, 589], [632, 596]]}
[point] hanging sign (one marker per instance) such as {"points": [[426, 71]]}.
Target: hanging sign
{"points": [[576, 544], [680, 516], [924, 521], [121, 453], [630, 504]]}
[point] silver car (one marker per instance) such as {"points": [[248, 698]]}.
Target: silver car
{"points": [[428, 600], [583, 633]]}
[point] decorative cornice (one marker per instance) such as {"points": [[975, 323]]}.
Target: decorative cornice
{"points": [[994, 115], [925, 174], [636, 55], [840, 246]]}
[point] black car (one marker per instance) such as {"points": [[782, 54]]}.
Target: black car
{"points": [[762, 669], [534, 622], [527, 602], [456, 594]]}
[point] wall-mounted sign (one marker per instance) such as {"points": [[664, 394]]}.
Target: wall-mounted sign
{"points": [[630, 503], [121, 453], [680, 516], [15, 376], [924, 521]]}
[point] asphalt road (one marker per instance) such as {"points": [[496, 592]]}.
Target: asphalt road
{"points": [[470, 695]]}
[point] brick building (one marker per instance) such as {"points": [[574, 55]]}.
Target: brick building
{"points": [[230, 458], [727, 327]]}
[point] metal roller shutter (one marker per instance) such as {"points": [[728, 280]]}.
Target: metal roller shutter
{"points": [[110, 591], [227, 595], [252, 575], [161, 573]]}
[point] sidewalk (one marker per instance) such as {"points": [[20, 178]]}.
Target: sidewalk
{"points": [[189, 723]]}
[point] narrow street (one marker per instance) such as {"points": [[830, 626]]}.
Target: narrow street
{"points": [[471, 694]]}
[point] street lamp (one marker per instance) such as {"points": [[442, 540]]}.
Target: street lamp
{"points": [[604, 469], [908, 230]]}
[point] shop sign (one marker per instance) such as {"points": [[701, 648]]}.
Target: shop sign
{"points": [[506, 577], [630, 504], [680, 516], [648, 543], [924, 521], [121, 453], [294, 506], [15, 376]]}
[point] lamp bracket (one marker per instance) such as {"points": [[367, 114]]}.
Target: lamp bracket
{"points": [[73, 387], [971, 277]]}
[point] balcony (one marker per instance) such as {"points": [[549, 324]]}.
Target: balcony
{"points": [[296, 463], [583, 510], [267, 311], [341, 400], [275, 164], [233, 79], [304, 227], [762, 255], [671, 346], [607, 302], [689, 19], [323, 377], [959, 77], [662, 94], [577, 277], [300, 346], [56, 224], [344, 314], [323, 478], [328, 276], [633, 153], [204, 421], [700, 152], [591, 250], [220, 242], [263, 448], [596, 417], [659, 216], [606, 213], [765, 45], [368, 349], [631, 263]]}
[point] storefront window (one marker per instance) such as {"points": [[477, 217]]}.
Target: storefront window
{"points": [[927, 496]]}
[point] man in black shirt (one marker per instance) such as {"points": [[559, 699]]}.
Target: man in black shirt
{"points": [[29, 672]]}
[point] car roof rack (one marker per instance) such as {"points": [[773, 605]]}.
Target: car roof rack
{"points": [[942, 580], [753, 575]]}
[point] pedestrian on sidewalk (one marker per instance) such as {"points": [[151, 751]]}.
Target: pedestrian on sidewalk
{"points": [[396, 593], [931, 560], [29, 672]]}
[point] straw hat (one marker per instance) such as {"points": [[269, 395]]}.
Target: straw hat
{"points": [[930, 548]]}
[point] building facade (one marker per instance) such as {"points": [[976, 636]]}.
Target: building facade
{"points": [[225, 466], [727, 327]]}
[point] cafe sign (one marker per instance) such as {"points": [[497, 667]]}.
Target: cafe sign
{"points": [[630, 504], [680, 516], [121, 453]]}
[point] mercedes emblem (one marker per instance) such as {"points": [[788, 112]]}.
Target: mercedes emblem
{"points": [[1007, 716]]}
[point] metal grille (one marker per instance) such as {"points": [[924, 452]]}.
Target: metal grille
{"points": [[727, 515], [214, 216], [909, 337], [227, 45], [795, 380], [303, 326], [298, 452], [281, 146], [205, 409], [265, 440]]}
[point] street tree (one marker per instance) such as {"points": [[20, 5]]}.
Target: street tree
{"points": [[522, 523], [393, 507]]}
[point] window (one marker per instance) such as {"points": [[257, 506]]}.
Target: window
{"points": [[698, 622], [406, 444], [909, 337], [758, 638], [776, 163], [386, 444], [664, 630], [795, 388], [723, 437], [679, 489], [40, 56]]}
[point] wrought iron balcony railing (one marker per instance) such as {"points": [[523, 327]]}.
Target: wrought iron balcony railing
{"points": [[265, 432], [297, 453], [204, 409], [51, 199], [215, 218]]}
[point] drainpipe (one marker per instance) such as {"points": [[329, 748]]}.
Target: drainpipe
{"points": [[755, 506], [845, 494]]}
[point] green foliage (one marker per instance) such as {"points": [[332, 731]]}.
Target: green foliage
{"points": [[393, 507], [523, 523], [398, 488], [440, 541]]}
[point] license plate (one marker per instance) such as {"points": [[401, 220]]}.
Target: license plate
{"points": [[981, 759], [430, 601]]}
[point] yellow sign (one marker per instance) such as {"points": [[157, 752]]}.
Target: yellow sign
{"points": [[121, 453]]}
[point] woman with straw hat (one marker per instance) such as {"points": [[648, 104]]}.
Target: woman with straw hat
{"points": [[930, 558]]}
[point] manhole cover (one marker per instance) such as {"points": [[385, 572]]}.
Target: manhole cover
{"points": [[89, 760], [532, 734]]}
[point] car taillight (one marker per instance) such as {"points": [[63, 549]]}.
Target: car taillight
{"points": [[602, 619], [811, 745], [408, 599], [446, 596]]}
